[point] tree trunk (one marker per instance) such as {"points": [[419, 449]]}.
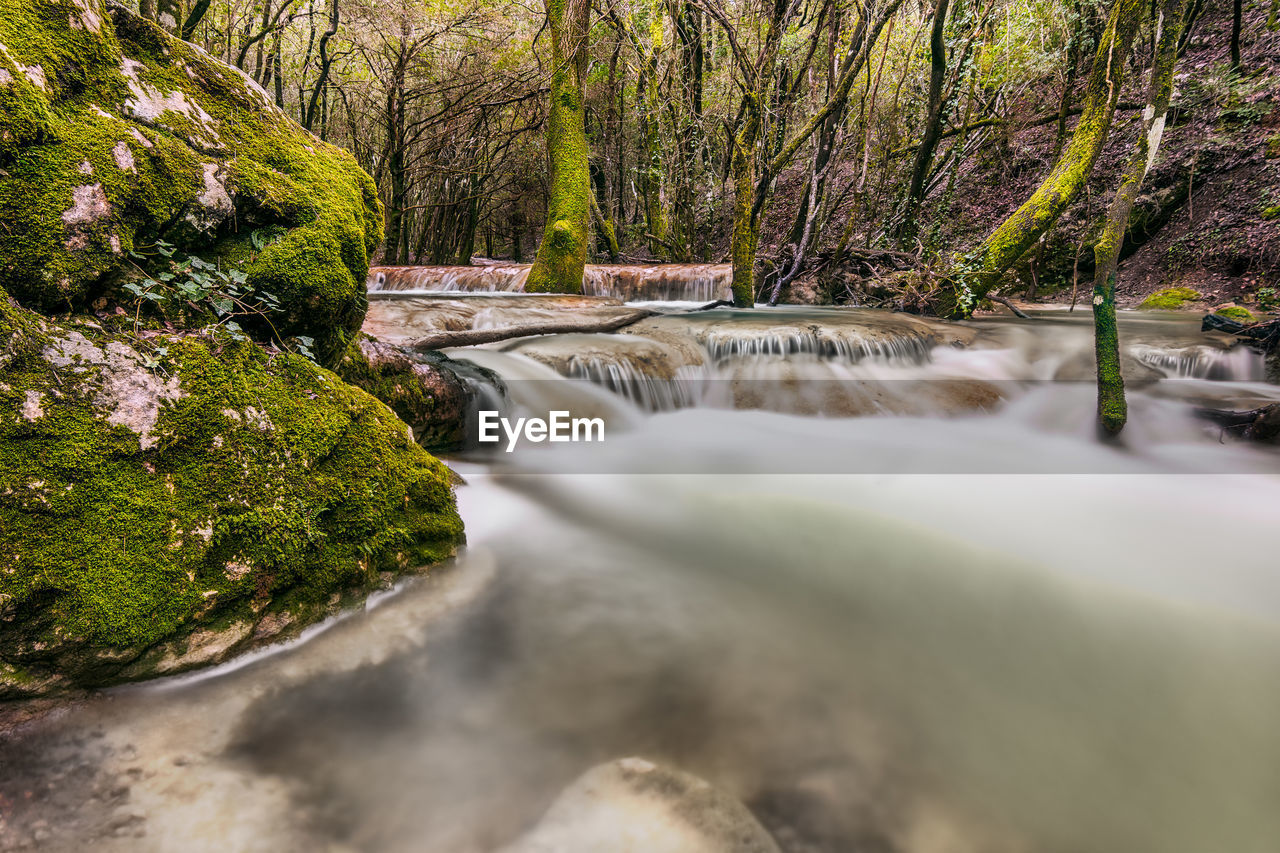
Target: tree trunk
{"points": [[198, 10], [1237, 12], [326, 63], [746, 228], [982, 269], [1112, 409], [397, 238], [563, 251], [932, 125], [1068, 85]]}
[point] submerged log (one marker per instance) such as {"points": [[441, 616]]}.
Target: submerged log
{"points": [[1253, 425], [1265, 334]]}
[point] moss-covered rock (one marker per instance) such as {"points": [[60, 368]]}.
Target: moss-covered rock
{"points": [[114, 134], [1237, 313], [170, 501], [435, 395], [1169, 299]]}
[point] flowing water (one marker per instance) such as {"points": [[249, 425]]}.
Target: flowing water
{"points": [[870, 574], [661, 282]]}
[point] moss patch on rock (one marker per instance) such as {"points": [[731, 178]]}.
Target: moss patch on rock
{"points": [[114, 134], [1237, 313], [167, 502], [1169, 299], [434, 394]]}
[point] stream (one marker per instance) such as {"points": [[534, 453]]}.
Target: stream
{"points": [[870, 574]]}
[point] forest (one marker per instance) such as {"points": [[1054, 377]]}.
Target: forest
{"points": [[852, 128]]}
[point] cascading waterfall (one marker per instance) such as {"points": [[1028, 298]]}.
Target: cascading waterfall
{"points": [[634, 283], [1238, 363]]}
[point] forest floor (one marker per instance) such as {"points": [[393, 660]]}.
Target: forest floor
{"points": [[1208, 217]]}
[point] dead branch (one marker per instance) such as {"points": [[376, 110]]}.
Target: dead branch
{"points": [[474, 337]]}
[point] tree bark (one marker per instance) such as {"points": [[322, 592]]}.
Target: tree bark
{"points": [[1237, 13], [562, 254], [932, 125], [981, 270], [326, 63], [198, 10], [746, 229], [1112, 408]]}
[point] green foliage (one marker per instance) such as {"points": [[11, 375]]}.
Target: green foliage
{"points": [[1169, 299], [1267, 299]]}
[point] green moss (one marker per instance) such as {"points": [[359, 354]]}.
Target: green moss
{"points": [[218, 162], [264, 483], [1237, 313], [1113, 410], [1169, 299], [1272, 212], [1273, 147], [562, 255]]}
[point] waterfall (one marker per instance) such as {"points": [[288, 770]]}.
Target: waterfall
{"points": [[630, 282]]}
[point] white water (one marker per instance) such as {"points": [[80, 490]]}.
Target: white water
{"points": [[700, 283], [972, 629]]}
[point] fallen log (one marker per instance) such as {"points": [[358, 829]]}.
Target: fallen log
{"points": [[474, 337], [1017, 312], [1265, 334], [1253, 425]]}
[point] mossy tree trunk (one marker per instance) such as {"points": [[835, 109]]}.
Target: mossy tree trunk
{"points": [[746, 225], [982, 269], [563, 251], [1112, 409]]}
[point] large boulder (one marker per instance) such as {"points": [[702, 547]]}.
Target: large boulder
{"points": [[168, 501], [115, 135]]}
